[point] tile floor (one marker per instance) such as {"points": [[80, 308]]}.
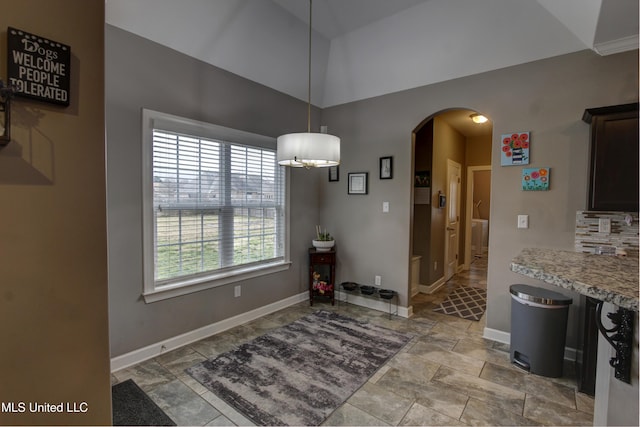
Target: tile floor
{"points": [[447, 375]]}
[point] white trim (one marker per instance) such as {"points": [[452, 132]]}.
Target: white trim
{"points": [[153, 350], [152, 291], [617, 46], [496, 335], [183, 287], [374, 303], [451, 164], [570, 353], [429, 289]]}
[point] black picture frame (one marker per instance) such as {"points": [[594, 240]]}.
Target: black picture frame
{"points": [[358, 183], [386, 167], [334, 173]]}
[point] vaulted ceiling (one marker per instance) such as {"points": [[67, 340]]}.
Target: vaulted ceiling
{"points": [[366, 48]]}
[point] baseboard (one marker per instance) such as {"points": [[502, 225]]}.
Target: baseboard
{"points": [[429, 289], [570, 353], [496, 335], [153, 350]]}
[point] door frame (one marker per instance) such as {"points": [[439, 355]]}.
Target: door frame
{"points": [[446, 260], [469, 211]]}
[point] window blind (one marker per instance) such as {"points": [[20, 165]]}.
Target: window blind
{"points": [[217, 206]]}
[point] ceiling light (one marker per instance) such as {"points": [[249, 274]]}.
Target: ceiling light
{"points": [[478, 118], [308, 149]]}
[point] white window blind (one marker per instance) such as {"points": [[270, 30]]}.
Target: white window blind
{"points": [[218, 207]]}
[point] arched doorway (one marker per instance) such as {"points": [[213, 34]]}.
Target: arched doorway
{"points": [[445, 138]]}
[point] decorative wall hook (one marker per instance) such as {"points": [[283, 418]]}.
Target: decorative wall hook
{"points": [[6, 93]]}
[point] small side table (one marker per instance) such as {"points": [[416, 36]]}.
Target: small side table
{"points": [[322, 265]]}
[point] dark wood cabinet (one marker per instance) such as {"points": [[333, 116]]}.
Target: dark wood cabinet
{"points": [[613, 181], [322, 274]]}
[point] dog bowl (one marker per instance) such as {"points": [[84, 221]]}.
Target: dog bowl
{"points": [[349, 286], [386, 293], [367, 290]]}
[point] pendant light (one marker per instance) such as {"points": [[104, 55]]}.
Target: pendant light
{"points": [[308, 149]]}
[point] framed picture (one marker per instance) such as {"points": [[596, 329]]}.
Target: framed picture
{"points": [[422, 179], [386, 167], [334, 173], [358, 183], [515, 148], [536, 179]]}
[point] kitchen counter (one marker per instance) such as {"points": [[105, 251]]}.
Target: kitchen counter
{"points": [[607, 278]]}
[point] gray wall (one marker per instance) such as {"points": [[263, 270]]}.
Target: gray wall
{"points": [[142, 74], [551, 95], [545, 97]]}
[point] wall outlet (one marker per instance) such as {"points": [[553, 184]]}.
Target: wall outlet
{"points": [[385, 207], [523, 221], [604, 225], [237, 291], [378, 281]]}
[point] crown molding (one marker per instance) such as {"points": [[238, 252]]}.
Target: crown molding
{"points": [[616, 46]]}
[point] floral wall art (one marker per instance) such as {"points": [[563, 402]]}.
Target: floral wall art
{"points": [[515, 149], [536, 179]]}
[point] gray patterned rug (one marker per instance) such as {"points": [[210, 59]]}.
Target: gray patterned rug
{"points": [[466, 302], [300, 373]]}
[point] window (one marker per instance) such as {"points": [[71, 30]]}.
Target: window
{"points": [[214, 206]]}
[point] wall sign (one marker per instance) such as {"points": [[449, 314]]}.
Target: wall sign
{"points": [[38, 68]]}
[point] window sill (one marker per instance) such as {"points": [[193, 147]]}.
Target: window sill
{"points": [[189, 286]]}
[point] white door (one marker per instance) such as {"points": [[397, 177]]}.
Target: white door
{"points": [[451, 247]]}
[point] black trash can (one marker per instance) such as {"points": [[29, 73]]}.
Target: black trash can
{"points": [[538, 329]]}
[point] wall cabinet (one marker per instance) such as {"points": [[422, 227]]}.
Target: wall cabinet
{"points": [[613, 181]]}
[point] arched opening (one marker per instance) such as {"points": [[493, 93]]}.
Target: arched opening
{"points": [[451, 201]]}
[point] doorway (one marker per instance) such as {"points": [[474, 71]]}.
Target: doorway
{"points": [[445, 146], [478, 203]]}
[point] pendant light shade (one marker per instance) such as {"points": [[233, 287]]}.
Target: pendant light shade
{"points": [[308, 149]]}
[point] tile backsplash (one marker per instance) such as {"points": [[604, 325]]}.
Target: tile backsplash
{"points": [[622, 235]]}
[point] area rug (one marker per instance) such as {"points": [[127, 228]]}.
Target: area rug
{"points": [[300, 373], [466, 302], [132, 407]]}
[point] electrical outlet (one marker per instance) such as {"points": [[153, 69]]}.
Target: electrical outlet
{"points": [[378, 281], [385, 207], [604, 225], [237, 291], [523, 221]]}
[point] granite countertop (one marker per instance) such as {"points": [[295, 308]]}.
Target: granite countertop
{"points": [[607, 278]]}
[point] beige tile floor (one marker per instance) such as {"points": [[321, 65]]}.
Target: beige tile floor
{"points": [[447, 375]]}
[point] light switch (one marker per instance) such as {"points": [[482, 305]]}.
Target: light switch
{"points": [[385, 207], [523, 221]]}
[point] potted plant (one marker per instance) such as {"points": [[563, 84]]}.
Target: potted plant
{"points": [[323, 241]]}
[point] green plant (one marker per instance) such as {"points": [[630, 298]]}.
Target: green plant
{"points": [[323, 236]]}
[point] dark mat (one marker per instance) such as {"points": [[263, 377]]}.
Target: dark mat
{"points": [[132, 407], [466, 302]]}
